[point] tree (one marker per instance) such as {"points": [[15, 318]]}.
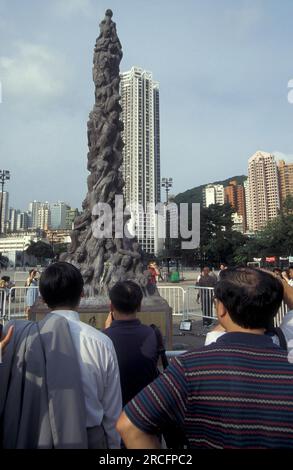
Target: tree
{"points": [[288, 205], [60, 248], [276, 239], [218, 240], [40, 250]]}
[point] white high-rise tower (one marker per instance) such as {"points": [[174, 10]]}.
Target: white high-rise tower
{"points": [[141, 154]]}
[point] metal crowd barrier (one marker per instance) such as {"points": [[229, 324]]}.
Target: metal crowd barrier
{"points": [[3, 303], [17, 302], [198, 302], [280, 315], [188, 302], [175, 297]]}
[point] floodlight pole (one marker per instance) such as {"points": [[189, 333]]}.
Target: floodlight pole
{"points": [[4, 176]]}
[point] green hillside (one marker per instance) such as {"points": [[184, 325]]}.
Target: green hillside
{"points": [[195, 194]]}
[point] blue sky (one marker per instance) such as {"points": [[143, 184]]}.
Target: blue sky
{"points": [[223, 68]]}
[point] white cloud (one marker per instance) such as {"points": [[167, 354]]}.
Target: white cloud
{"points": [[33, 72]]}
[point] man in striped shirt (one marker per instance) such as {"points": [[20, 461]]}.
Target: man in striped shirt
{"points": [[235, 393]]}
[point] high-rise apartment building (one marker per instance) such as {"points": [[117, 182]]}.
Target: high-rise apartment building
{"points": [[34, 210], [13, 219], [141, 153], [285, 173], [247, 205], [213, 194], [22, 221], [264, 195], [235, 196], [71, 214], [58, 215], [44, 216], [4, 200]]}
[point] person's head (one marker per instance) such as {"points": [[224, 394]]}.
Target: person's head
{"points": [[126, 298], [206, 271], [247, 298], [32, 272], [125, 262], [61, 285], [223, 266]]}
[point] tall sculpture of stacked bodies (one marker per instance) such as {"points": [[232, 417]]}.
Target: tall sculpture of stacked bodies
{"points": [[104, 260]]}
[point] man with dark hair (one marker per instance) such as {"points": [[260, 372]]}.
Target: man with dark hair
{"points": [[61, 287], [235, 393], [135, 344], [77, 400], [240, 291]]}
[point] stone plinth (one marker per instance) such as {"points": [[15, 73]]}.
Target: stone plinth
{"points": [[95, 311]]}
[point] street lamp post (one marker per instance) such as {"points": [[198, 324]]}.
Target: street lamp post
{"points": [[167, 184], [4, 176], [52, 241]]}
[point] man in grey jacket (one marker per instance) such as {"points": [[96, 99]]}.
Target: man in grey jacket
{"points": [[60, 384]]}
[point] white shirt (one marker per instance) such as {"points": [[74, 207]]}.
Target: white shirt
{"points": [[99, 375]]}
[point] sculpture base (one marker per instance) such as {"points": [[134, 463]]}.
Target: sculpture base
{"points": [[94, 311]]}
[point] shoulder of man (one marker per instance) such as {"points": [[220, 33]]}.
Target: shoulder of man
{"points": [[140, 328], [187, 359], [91, 333]]}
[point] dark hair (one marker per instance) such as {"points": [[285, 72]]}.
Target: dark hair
{"points": [[126, 297], [252, 297], [61, 284]]}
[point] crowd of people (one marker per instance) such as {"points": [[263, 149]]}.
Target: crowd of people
{"points": [[64, 384]]}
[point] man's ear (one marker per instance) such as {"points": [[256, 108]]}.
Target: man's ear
{"points": [[82, 294], [111, 307], [221, 311]]}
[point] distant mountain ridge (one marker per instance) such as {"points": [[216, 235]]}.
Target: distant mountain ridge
{"points": [[195, 194]]}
